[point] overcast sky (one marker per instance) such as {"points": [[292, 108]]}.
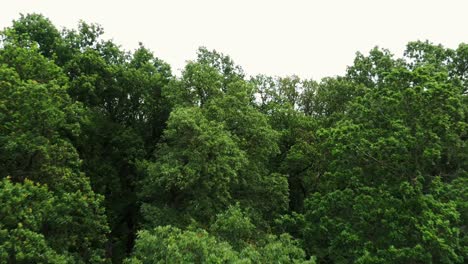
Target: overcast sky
{"points": [[312, 39]]}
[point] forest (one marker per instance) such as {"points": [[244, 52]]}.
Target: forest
{"points": [[108, 156]]}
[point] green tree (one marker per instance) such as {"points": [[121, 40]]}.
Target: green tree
{"points": [[194, 168], [403, 135], [122, 114], [169, 244], [38, 122], [26, 211], [216, 88]]}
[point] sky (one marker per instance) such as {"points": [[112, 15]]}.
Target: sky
{"points": [[311, 39]]}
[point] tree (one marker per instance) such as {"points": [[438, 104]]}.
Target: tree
{"points": [[33, 29], [39, 121], [226, 98], [122, 111], [26, 210], [169, 244], [391, 154], [195, 167]]}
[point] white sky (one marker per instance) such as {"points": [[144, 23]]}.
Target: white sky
{"points": [[312, 39]]}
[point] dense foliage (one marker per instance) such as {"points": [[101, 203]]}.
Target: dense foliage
{"points": [[107, 156]]}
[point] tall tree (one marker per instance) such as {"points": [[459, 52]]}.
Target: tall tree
{"points": [[38, 124], [394, 150]]}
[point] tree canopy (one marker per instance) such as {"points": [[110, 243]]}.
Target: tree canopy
{"points": [[106, 156]]}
